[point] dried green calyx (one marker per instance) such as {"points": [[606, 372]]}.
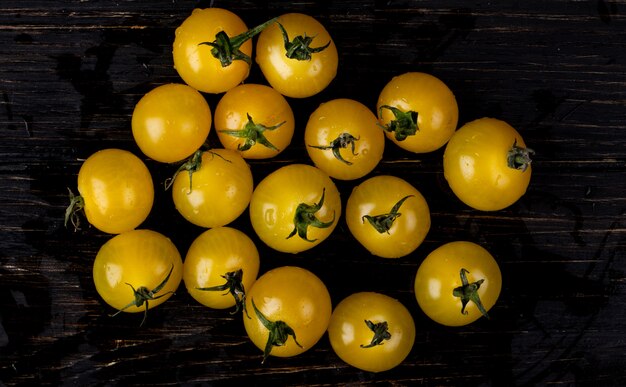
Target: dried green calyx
{"points": [[279, 332], [76, 206], [143, 295], [253, 134], [299, 48], [381, 333], [305, 217], [226, 49], [343, 141], [403, 125], [382, 223], [518, 157], [192, 165], [469, 292], [234, 286]]}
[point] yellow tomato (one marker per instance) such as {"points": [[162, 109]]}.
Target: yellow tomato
{"points": [[418, 111], [137, 270], [487, 164], [297, 55], [388, 216], [221, 265], [457, 283], [115, 191], [343, 139], [213, 188], [295, 208], [171, 122], [255, 120]]}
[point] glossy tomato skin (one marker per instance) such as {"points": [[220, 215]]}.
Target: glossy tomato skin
{"points": [[439, 275], [265, 107], [378, 196], [194, 62], [141, 258], [211, 256], [295, 296], [292, 77], [343, 139], [117, 190], [275, 202], [171, 122], [475, 164], [355, 342], [217, 193], [432, 100]]}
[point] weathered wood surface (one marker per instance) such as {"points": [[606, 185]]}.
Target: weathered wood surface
{"points": [[71, 72]]}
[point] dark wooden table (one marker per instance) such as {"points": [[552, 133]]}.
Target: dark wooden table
{"points": [[70, 75]]}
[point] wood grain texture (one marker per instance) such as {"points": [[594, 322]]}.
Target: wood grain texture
{"points": [[72, 71]]}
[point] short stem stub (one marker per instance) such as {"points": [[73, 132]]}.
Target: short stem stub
{"points": [[226, 49], [77, 204], [299, 48], [518, 157], [305, 217], [279, 332], [403, 125], [253, 134], [382, 223], [469, 292], [234, 286], [142, 295], [342, 141], [381, 332]]}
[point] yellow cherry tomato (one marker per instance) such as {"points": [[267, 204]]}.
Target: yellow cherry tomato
{"points": [[418, 111], [487, 164], [457, 283], [171, 122], [388, 216], [221, 265], [115, 191], [297, 55], [255, 120], [371, 331], [295, 208], [212, 188], [343, 139], [137, 270], [289, 309], [212, 49]]}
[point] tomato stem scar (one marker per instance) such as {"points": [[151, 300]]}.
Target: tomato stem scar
{"points": [[279, 332], [226, 49], [403, 125], [341, 142], [469, 292], [299, 48], [381, 332], [305, 217], [518, 157], [383, 222]]}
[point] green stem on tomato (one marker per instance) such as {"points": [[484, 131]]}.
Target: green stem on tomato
{"points": [[299, 48], [341, 142], [226, 49], [279, 332], [234, 286], [192, 165], [469, 292], [381, 332], [305, 217], [253, 134], [382, 223], [77, 204], [142, 295], [403, 125], [518, 157]]}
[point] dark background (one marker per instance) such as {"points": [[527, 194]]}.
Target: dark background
{"points": [[72, 71]]}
